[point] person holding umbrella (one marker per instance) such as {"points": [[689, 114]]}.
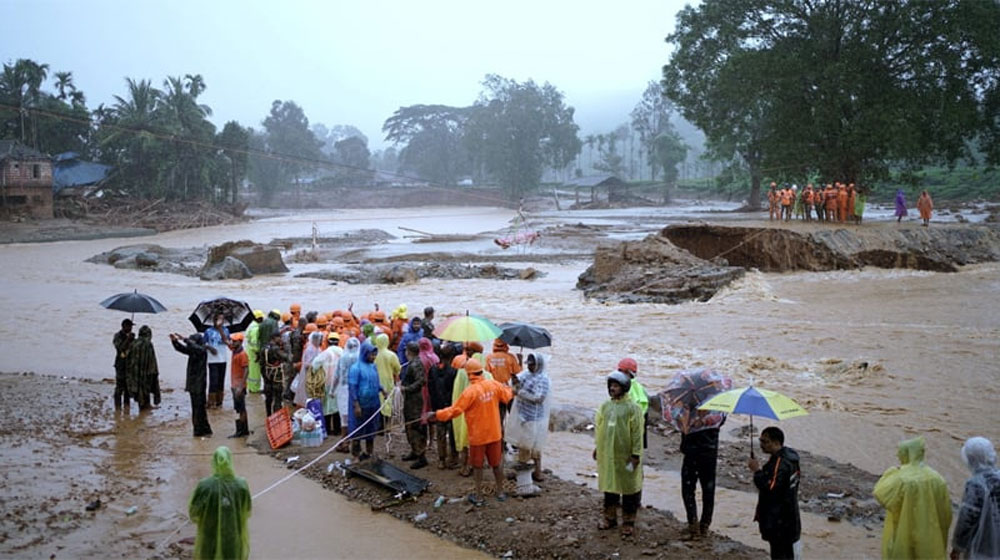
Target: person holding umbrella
{"points": [[777, 484], [123, 343]]}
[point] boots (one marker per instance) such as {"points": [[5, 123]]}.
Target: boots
{"points": [[242, 430], [610, 518], [628, 524]]}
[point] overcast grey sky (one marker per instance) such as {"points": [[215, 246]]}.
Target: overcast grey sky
{"points": [[350, 62]]}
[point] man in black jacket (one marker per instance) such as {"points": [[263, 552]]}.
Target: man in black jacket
{"points": [[196, 381], [778, 494]]}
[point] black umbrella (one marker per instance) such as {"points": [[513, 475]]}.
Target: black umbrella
{"points": [[525, 335], [133, 302], [236, 314]]}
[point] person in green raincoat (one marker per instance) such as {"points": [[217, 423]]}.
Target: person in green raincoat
{"points": [[387, 364], [143, 373], [618, 438], [860, 199], [255, 383], [220, 507], [917, 506]]}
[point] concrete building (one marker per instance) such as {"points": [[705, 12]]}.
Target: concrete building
{"points": [[25, 180]]}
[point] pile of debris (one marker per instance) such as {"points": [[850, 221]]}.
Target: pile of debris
{"points": [[159, 214]]}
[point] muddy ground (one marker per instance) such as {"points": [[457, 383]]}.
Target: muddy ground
{"points": [[559, 523]]}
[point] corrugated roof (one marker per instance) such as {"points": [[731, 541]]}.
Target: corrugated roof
{"points": [[71, 172], [12, 149]]}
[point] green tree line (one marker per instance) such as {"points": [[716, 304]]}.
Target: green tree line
{"points": [[839, 90]]}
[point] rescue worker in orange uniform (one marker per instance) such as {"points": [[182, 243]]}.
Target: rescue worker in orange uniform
{"points": [[480, 402], [787, 196], [842, 203]]}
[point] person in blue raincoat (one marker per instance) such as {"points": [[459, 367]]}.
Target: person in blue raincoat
{"points": [[363, 390], [220, 507]]}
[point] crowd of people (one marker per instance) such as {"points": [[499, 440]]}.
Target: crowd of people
{"points": [[835, 203], [470, 409]]}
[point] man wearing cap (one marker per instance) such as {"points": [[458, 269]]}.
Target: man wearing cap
{"points": [[480, 402], [123, 342]]}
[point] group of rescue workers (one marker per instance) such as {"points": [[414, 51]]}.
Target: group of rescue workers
{"points": [[837, 202]]}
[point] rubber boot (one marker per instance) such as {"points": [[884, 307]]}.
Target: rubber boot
{"points": [[628, 524], [610, 517], [239, 430]]}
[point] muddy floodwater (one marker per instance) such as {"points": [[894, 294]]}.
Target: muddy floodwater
{"points": [[930, 341]]}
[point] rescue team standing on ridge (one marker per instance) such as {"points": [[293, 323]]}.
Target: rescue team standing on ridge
{"points": [[473, 407], [836, 203]]}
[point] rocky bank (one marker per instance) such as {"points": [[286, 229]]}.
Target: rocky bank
{"points": [[693, 261]]}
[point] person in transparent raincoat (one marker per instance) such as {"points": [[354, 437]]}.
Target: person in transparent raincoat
{"points": [[527, 426], [977, 531]]}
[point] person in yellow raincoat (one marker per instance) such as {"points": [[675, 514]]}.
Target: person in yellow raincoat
{"points": [[388, 368], [618, 440], [255, 383], [220, 507], [917, 506]]}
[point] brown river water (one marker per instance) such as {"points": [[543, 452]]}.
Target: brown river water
{"points": [[930, 339]]}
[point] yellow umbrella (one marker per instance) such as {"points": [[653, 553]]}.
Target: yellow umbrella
{"points": [[753, 401]]}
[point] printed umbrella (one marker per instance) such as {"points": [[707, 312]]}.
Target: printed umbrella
{"points": [[237, 314], [753, 401], [466, 328], [133, 303], [686, 391], [525, 335]]}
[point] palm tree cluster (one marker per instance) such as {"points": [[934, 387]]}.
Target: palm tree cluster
{"points": [[159, 141]]}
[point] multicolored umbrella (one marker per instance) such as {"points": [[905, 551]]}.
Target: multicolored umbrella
{"points": [[467, 328], [686, 392], [753, 401]]}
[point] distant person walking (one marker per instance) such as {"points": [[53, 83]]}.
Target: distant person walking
{"points": [[977, 531], [900, 205], [925, 205], [220, 507]]}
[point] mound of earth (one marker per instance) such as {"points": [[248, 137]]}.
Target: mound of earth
{"points": [[653, 270], [937, 248], [399, 273], [259, 259], [692, 262]]}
